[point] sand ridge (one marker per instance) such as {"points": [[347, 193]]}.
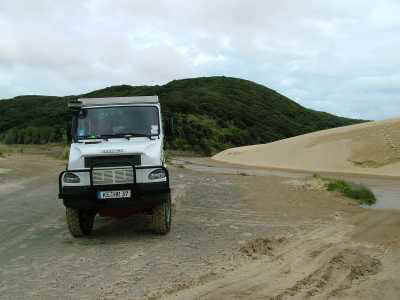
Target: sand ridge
{"points": [[368, 148]]}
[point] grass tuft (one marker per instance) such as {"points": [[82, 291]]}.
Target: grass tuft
{"points": [[167, 155], [4, 149], [65, 154], [359, 192]]}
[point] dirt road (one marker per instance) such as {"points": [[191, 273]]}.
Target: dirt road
{"points": [[276, 236]]}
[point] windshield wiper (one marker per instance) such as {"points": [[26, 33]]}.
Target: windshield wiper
{"points": [[123, 135], [88, 137], [135, 134]]}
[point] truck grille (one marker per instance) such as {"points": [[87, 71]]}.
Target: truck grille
{"points": [[112, 176], [112, 161]]}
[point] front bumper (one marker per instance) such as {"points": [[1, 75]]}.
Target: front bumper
{"points": [[143, 195]]}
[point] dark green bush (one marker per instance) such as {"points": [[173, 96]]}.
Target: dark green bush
{"points": [[355, 191]]}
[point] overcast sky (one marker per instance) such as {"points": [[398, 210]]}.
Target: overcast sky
{"points": [[340, 56]]}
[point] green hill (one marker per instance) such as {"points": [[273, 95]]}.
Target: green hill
{"points": [[210, 114]]}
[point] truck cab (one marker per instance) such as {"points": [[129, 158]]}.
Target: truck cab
{"points": [[116, 163]]}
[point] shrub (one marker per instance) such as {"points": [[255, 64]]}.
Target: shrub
{"points": [[355, 191], [11, 137]]}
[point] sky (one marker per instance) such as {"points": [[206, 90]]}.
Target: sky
{"points": [[339, 56]]}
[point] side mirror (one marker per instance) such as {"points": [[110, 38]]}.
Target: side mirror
{"points": [[74, 105]]}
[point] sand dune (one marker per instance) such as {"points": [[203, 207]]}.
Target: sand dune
{"points": [[369, 148]]}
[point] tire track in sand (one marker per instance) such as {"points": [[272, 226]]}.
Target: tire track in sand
{"points": [[322, 263]]}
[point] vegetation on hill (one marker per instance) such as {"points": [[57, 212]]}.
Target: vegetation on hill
{"points": [[209, 114]]}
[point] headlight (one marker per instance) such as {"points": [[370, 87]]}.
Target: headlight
{"points": [[71, 178], [157, 174]]}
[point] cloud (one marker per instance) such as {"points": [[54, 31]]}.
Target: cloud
{"points": [[336, 55]]}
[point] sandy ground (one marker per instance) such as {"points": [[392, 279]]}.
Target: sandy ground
{"points": [[369, 148], [235, 235]]}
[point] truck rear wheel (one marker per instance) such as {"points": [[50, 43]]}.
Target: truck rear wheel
{"points": [[162, 217], [80, 222]]}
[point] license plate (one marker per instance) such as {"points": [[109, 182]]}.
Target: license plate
{"points": [[114, 194]]}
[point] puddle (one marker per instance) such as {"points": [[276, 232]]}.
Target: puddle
{"points": [[387, 191], [388, 197], [235, 170]]}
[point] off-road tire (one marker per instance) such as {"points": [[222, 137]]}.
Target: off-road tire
{"points": [[80, 222], [161, 217]]}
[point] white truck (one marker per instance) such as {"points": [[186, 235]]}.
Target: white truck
{"points": [[116, 163]]}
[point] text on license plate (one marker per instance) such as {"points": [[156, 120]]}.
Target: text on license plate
{"points": [[114, 194]]}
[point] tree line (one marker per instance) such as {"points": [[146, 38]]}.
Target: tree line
{"points": [[34, 135], [209, 114]]}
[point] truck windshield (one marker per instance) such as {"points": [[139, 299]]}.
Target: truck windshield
{"points": [[118, 121]]}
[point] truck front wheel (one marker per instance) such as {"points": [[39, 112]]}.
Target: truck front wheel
{"points": [[80, 222], [162, 216]]}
